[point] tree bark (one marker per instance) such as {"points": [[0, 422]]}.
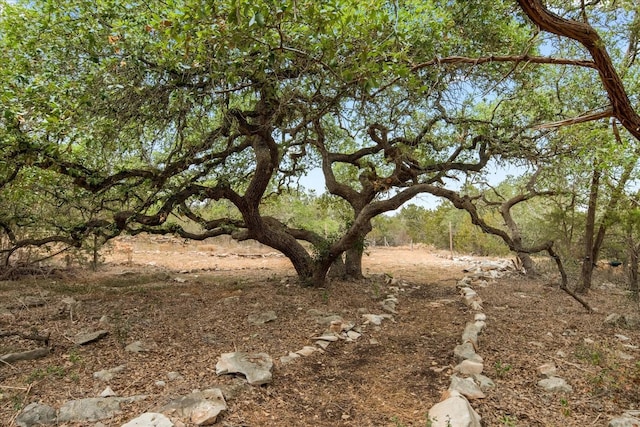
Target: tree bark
{"points": [[589, 231]]}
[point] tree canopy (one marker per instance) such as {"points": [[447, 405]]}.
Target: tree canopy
{"points": [[119, 116]]}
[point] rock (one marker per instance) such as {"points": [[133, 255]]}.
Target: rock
{"points": [[150, 419], [89, 337], [555, 385], [376, 319], [454, 411], [624, 421], [466, 387], [469, 367], [484, 382], [256, 367], [107, 392], [160, 383], [481, 317], [262, 318], [93, 409], [307, 350], [174, 376], [201, 408], [136, 347], [108, 374], [470, 334], [331, 338], [323, 344], [389, 305], [35, 414], [622, 337], [466, 351], [547, 370], [353, 335], [289, 358]]}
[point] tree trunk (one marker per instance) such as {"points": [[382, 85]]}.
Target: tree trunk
{"points": [[353, 263], [528, 264], [633, 250], [589, 232]]}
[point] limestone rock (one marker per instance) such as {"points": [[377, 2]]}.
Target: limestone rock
{"points": [[484, 382], [262, 318], [289, 358], [547, 370], [107, 392], [454, 411], [307, 350], [555, 385], [108, 374], [469, 367], [628, 419], [35, 414], [256, 367], [466, 387], [201, 408], [89, 337], [471, 332], [136, 347], [150, 419], [376, 319], [466, 351], [615, 319], [174, 376], [93, 409]]}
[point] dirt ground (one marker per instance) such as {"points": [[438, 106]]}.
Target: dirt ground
{"points": [[175, 298]]}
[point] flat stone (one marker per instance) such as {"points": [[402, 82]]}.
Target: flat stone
{"points": [[307, 350], [262, 318], [331, 338], [107, 392], [136, 347], [35, 414], [471, 332], [289, 358], [481, 317], [466, 352], [547, 370], [89, 337], [454, 411], [108, 374], [484, 382], [37, 353], [469, 367], [624, 421], [150, 419], [174, 376], [466, 387], [256, 366], [622, 337], [201, 408], [376, 319], [353, 335], [323, 344], [555, 385], [93, 409], [624, 356]]}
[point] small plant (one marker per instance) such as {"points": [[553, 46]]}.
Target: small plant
{"points": [[566, 409], [502, 369], [508, 420]]}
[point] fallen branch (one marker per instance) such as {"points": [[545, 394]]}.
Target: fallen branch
{"points": [[38, 353]]}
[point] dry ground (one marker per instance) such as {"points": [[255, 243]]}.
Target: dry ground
{"points": [[174, 297]]}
